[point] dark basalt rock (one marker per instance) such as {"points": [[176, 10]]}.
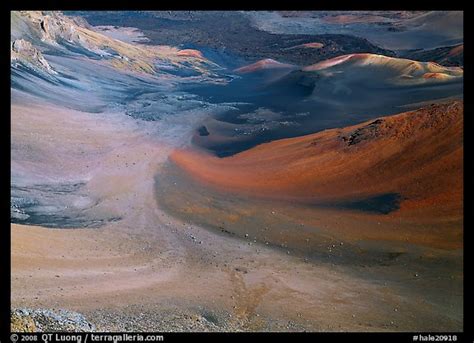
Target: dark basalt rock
{"points": [[203, 131], [367, 132]]}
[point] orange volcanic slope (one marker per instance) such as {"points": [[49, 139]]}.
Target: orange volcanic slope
{"points": [[267, 63], [190, 53], [398, 66], [352, 19], [456, 50], [417, 154], [314, 45]]}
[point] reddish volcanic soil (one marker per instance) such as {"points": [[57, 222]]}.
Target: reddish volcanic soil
{"points": [[415, 154], [190, 53], [457, 50], [351, 19], [314, 45], [263, 64]]}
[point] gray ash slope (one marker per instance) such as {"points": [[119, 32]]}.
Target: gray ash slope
{"points": [[57, 64], [305, 102]]}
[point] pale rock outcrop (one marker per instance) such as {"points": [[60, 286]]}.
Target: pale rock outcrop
{"points": [[23, 51]]}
